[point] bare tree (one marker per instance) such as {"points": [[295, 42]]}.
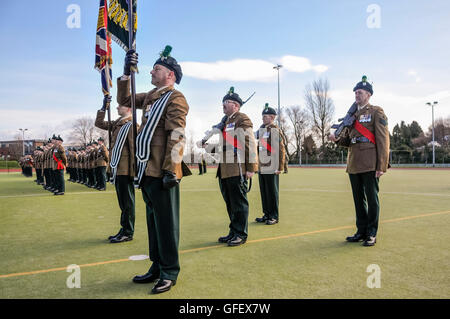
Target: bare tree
{"points": [[83, 130], [284, 127], [300, 122], [320, 107]]}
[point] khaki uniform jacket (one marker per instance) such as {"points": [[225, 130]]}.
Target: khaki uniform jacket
{"points": [[93, 158], [60, 154], [53, 163], [166, 151], [265, 159], [46, 157], [250, 164], [126, 162], [102, 156], [367, 157]]}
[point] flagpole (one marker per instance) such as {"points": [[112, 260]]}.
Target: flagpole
{"points": [[132, 45], [109, 108]]}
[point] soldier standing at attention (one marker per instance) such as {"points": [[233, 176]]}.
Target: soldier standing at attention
{"points": [[237, 165], [271, 162], [102, 161], [60, 160], [53, 166], [121, 165], [93, 164], [159, 151], [368, 160]]}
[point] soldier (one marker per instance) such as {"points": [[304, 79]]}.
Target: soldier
{"points": [[159, 150], [40, 165], [45, 165], [204, 163], [200, 166], [80, 172], [92, 164], [368, 160], [60, 159], [84, 163], [238, 164], [122, 166], [102, 161], [35, 157], [27, 162], [50, 163], [271, 162]]}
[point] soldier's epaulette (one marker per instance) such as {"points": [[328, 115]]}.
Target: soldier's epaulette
{"points": [[383, 121]]}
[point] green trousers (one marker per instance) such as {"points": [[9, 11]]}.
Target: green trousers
{"points": [[365, 196], [100, 173], [269, 189], [125, 196], [235, 196], [59, 180], [163, 225]]}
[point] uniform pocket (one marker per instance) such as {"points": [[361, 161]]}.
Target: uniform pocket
{"points": [[366, 146]]}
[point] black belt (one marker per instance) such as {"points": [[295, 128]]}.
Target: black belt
{"points": [[359, 139]]}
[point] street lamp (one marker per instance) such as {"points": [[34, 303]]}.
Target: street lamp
{"points": [[432, 125], [23, 140], [278, 67]]}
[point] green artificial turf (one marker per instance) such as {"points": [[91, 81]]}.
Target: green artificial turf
{"points": [[303, 256]]}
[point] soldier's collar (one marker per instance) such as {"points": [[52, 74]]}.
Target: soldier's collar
{"points": [[232, 115], [364, 106], [157, 93]]}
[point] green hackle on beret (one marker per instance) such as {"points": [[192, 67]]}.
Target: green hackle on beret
{"points": [[166, 52], [364, 78]]}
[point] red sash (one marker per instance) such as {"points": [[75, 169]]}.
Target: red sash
{"points": [[265, 145], [365, 132], [230, 140], [60, 164]]}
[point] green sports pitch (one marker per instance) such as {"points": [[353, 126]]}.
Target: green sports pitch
{"points": [[303, 256]]}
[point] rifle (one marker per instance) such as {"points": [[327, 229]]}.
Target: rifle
{"points": [[218, 126], [346, 121]]}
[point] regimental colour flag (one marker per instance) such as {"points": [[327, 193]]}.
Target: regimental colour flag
{"points": [[103, 54], [118, 22]]}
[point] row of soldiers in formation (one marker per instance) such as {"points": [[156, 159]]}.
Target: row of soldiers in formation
{"points": [[85, 165], [49, 162]]}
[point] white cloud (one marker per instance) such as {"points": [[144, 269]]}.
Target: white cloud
{"points": [[414, 74], [248, 69], [301, 64]]}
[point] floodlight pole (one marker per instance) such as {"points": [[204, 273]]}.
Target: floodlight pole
{"points": [[432, 128], [278, 67], [23, 140]]}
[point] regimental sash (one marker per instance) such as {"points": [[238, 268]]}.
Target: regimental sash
{"points": [[117, 149], [365, 132], [60, 163], [144, 138], [230, 139], [266, 145]]}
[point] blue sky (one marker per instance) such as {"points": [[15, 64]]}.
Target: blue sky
{"points": [[48, 77]]}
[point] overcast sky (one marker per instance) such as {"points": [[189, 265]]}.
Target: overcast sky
{"points": [[48, 76]]}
